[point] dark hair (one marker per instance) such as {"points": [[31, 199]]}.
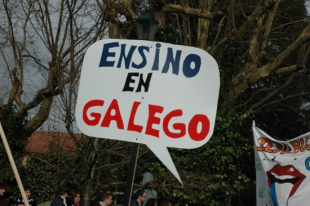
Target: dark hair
{"points": [[73, 195], [2, 186], [165, 203], [139, 192], [27, 188], [62, 189], [103, 196], [150, 202], [183, 204]]}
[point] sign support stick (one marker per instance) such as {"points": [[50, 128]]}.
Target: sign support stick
{"points": [[131, 173], [8, 151]]}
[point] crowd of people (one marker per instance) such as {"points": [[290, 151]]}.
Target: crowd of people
{"points": [[140, 197], [19, 201], [64, 197]]}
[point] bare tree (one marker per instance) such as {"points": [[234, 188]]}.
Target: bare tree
{"points": [[46, 42], [257, 28], [262, 47]]}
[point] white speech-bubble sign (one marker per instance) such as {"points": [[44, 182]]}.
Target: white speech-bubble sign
{"points": [[152, 93]]}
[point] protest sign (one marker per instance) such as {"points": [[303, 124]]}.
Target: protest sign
{"points": [[152, 93]]}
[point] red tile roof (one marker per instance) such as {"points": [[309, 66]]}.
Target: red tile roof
{"points": [[39, 141]]}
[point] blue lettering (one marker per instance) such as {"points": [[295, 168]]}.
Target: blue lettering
{"points": [[174, 62], [106, 54], [156, 60], [187, 70], [123, 56], [191, 64], [143, 63]]}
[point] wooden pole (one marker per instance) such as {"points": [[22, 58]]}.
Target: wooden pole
{"points": [[131, 173], [8, 151]]}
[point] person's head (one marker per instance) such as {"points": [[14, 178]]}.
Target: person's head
{"points": [[106, 198], [96, 194], [166, 203], [63, 191], [76, 197], [27, 191], [151, 202], [2, 189], [183, 204], [140, 196]]}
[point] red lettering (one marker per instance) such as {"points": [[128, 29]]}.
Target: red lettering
{"points": [[286, 149], [279, 146], [153, 109], [131, 124], [205, 127], [267, 149], [303, 146], [308, 145], [177, 126], [96, 116], [263, 141], [296, 145], [198, 127], [116, 117], [270, 144]]}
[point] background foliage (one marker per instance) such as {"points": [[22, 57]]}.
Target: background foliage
{"points": [[262, 49]]}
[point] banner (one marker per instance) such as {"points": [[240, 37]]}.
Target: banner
{"points": [[282, 170], [263, 197]]}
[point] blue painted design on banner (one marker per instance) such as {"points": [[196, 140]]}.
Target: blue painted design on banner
{"points": [[273, 194], [307, 163]]}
